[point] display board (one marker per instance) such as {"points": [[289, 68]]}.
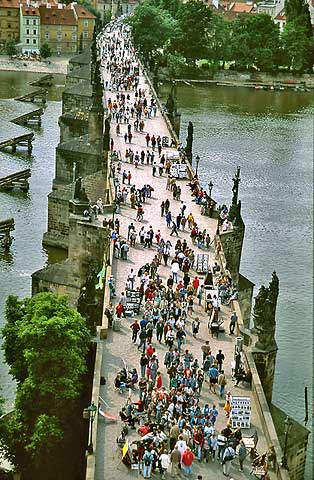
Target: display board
{"points": [[178, 170], [202, 262], [165, 142], [134, 299], [240, 412]]}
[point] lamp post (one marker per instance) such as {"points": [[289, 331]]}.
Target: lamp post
{"points": [[197, 160], [288, 424], [210, 188], [90, 414]]}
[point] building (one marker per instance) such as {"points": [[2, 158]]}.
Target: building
{"points": [[85, 24], [58, 29], [29, 29], [9, 20]]}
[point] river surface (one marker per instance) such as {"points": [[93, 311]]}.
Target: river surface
{"points": [[270, 135], [29, 210]]}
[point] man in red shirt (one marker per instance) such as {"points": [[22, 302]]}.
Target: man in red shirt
{"points": [[187, 460], [196, 284], [135, 329]]}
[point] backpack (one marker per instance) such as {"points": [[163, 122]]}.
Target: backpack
{"points": [[228, 457]]}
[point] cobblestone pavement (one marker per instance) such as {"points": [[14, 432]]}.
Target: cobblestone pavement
{"points": [[118, 346]]}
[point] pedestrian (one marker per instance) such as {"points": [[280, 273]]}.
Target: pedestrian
{"points": [[174, 229], [135, 329], [222, 382], [227, 458], [242, 454], [195, 326], [233, 321], [220, 358], [164, 463], [187, 461], [148, 459], [175, 459]]}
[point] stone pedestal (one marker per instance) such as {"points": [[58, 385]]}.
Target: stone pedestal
{"points": [[77, 207], [265, 363]]}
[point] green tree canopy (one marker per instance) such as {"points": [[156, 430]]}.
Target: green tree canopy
{"points": [[193, 21], [298, 36], [45, 345], [151, 28], [255, 42], [45, 50]]}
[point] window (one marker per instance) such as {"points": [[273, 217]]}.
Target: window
{"points": [[27, 31], [9, 25], [27, 40], [27, 22], [34, 32], [74, 36], [34, 22], [9, 13], [59, 37], [73, 48], [47, 35], [74, 28], [34, 41], [85, 23], [85, 34]]}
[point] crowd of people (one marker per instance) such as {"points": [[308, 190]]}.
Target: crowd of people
{"points": [[176, 427]]}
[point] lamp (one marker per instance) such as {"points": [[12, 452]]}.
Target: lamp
{"points": [[288, 424], [197, 159], [210, 188], [89, 413]]}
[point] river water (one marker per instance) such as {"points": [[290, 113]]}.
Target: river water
{"points": [[270, 135], [29, 210]]}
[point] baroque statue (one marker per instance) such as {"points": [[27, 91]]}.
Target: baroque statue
{"points": [[264, 314], [79, 191]]}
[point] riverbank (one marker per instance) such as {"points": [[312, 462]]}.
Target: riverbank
{"points": [[51, 65]]}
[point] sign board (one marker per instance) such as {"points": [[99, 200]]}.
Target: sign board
{"points": [[240, 412], [165, 141], [178, 170], [202, 262], [134, 299]]}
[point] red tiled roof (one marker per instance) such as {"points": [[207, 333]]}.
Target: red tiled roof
{"points": [[82, 12], [56, 16], [239, 7], [9, 4], [280, 17], [30, 11]]}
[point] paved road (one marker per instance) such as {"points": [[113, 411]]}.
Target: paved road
{"points": [[118, 346]]}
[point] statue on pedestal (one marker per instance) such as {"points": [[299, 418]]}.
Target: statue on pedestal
{"points": [[171, 104], [235, 189], [79, 192], [189, 141], [106, 139], [264, 314]]}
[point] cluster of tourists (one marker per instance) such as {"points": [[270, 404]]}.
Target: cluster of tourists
{"points": [[175, 428]]}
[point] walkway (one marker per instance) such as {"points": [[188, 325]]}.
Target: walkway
{"points": [[118, 346]]}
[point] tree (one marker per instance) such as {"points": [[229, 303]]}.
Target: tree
{"points": [[193, 21], [45, 50], [255, 42], [45, 344], [151, 28], [10, 47], [298, 36], [219, 39]]}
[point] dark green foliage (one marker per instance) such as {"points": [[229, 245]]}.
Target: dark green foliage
{"points": [[193, 23], [10, 47], [151, 27], [297, 37], [255, 42], [45, 50], [45, 344]]}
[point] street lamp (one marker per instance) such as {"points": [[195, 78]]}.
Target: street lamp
{"points": [[197, 160], [210, 188], [288, 424], [89, 413]]}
